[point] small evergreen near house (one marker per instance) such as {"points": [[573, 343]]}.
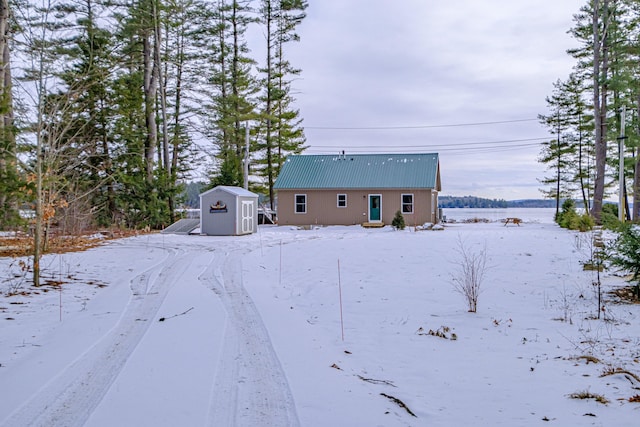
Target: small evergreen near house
{"points": [[398, 221]]}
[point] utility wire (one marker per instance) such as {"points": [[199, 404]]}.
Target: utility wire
{"points": [[339, 147], [391, 150], [422, 149], [417, 127]]}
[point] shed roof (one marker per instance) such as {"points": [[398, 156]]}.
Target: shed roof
{"points": [[236, 191], [359, 171]]}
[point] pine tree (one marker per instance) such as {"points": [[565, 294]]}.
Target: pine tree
{"points": [[10, 182], [90, 192], [398, 221], [281, 131], [629, 40], [600, 94], [231, 103], [143, 167], [182, 22], [602, 66], [564, 154]]}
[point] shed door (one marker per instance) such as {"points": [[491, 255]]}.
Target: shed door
{"points": [[375, 205], [247, 217]]}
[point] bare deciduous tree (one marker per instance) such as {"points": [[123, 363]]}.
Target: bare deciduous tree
{"points": [[470, 273]]}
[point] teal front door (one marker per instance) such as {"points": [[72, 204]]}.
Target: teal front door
{"points": [[375, 206]]}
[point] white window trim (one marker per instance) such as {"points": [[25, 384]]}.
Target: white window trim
{"points": [[338, 200], [402, 204], [295, 204]]}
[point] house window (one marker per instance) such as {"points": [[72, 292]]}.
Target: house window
{"points": [[407, 203], [342, 200], [301, 203]]}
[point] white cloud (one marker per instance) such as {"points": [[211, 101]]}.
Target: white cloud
{"points": [[417, 62]]}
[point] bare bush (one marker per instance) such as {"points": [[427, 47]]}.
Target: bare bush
{"points": [[471, 270]]}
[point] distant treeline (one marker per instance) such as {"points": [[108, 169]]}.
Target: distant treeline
{"points": [[470, 202], [534, 203], [479, 202], [191, 198]]}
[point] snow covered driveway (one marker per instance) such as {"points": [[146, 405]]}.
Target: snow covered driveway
{"points": [[186, 308], [247, 331]]}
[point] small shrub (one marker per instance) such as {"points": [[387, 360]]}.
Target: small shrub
{"points": [[611, 370], [625, 253], [441, 332], [569, 218], [588, 395], [589, 359], [584, 223], [609, 217], [566, 215], [398, 221], [472, 267]]}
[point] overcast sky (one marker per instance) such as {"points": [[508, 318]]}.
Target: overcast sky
{"points": [[399, 70]]}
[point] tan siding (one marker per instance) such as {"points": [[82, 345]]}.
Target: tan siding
{"points": [[322, 207]]}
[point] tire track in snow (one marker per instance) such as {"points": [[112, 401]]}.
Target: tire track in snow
{"points": [[250, 387], [70, 398]]}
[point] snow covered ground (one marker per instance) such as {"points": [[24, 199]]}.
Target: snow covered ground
{"points": [[169, 330]]}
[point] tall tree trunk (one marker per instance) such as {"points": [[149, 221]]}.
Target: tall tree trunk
{"points": [[636, 187], [163, 105], [8, 163], [635, 216], [177, 132], [161, 86], [4, 25], [585, 199], [235, 66], [177, 128], [37, 231], [268, 106], [558, 169], [107, 164], [150, 89], [600, 107], [225, 139]]}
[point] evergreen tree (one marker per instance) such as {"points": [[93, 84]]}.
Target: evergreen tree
{"points": [[119, 88], [603, 67], [143, 165], [182, 22], [600, 17], [626, 254], [233, 88], [398, 221], [559, 153], [281, 131], [90, 193], [630, 41], [10, 181]]}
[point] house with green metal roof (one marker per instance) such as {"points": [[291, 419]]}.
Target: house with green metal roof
{"points": [[348, 189]]}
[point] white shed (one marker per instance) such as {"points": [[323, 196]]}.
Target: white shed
{"points": [[228, 211]]}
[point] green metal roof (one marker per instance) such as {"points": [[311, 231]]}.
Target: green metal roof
{"points": [[359, 171]]}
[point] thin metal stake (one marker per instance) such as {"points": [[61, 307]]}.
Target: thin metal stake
{"points": [[280, 269], [340, 290], [60, 283]]}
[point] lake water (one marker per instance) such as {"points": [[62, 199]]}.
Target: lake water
{"points": [[540, 215]]}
